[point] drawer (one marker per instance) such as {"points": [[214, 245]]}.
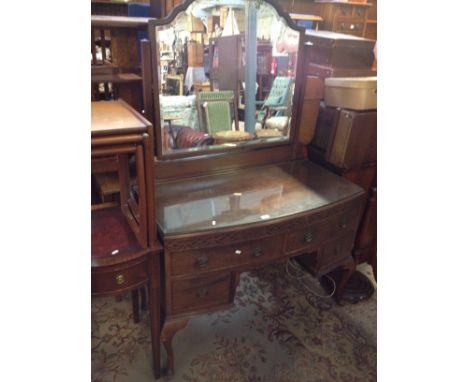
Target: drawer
{"points": [[348, 26], [117, 279], [359, 13], [310, 237], [302, 239], [194, 262], [344, 221], [200, 293], [334, 252]]}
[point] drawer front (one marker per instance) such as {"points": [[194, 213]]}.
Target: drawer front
{"points": [[355, 27], [200, 293], [360, 13], [306, 238], [119, 278], [342, 222], [195, 262], [310, 237], [334, 252]]}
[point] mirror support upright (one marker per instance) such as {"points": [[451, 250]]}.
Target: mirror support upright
{"points": [[250, 65]]}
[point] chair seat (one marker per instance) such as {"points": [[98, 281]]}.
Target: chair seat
{"points": [[279, 123], [268, 133], [242, 125], [232, 136]]}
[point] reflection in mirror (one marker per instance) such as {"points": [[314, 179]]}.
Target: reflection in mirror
{"points": [[226, 71]]}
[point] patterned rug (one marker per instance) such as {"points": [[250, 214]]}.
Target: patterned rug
{"points": [[276, 331]]}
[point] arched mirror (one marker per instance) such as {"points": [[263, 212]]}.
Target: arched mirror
{"points": [[224, 76]]}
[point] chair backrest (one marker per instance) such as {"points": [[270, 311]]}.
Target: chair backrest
{"points": [[279, 92], [218, 116], [215, 110]]}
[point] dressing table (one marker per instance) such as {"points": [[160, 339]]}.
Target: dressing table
{"points": [[225, 208]]}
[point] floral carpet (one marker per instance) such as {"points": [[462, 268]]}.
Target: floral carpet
{"points": [[276, 331]]}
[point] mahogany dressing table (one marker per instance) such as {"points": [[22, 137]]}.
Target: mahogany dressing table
{"points": [[125, 254], [225, 208]]}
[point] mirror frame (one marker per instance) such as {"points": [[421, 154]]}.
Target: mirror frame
{"points": [[291, 142]]}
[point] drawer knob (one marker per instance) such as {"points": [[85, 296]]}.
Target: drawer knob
{"points": [[351, 26], [119, 279], [308, 237], [257, 251], [202, 261], [202, 292], [343, 224], [238, 252]]}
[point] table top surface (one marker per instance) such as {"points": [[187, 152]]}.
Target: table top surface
{"points": [[247, 196], [114, 117]]}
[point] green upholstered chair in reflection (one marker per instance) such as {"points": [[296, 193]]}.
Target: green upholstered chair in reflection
{"points": [[216, 111], [276, 102]]}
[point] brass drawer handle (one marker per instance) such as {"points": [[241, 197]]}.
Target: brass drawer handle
{"points": [[202, 292], [238, 252], [202, 261], [119, 279], [308, 237], [258, 251]]}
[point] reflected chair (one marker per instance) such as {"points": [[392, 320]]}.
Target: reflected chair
{"points": [[280, 121], [216, 110], [276, 103]]}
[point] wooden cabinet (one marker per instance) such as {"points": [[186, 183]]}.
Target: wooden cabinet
{"points": [[345, 138], [346, 143], [371, 22], [343, 17], [227, 63]]}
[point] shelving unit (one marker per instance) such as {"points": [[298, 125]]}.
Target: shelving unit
{"points": [[117, 73]]}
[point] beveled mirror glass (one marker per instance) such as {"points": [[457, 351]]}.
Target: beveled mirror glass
{"points": [[225, 76]]}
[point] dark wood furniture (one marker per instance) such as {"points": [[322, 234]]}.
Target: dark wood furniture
{"points": [[226, 61], [113, 7], [353, 59], [215, 227], [371, 22], [125, 254], [342, 16], [346, 143], [244, 206], [115, 65]]}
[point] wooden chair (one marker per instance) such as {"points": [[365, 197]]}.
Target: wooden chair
{"points": [[277, 99], [216, 111]]}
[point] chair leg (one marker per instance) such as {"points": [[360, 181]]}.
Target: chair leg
{"points": [[144, 305], [136, 308]]}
